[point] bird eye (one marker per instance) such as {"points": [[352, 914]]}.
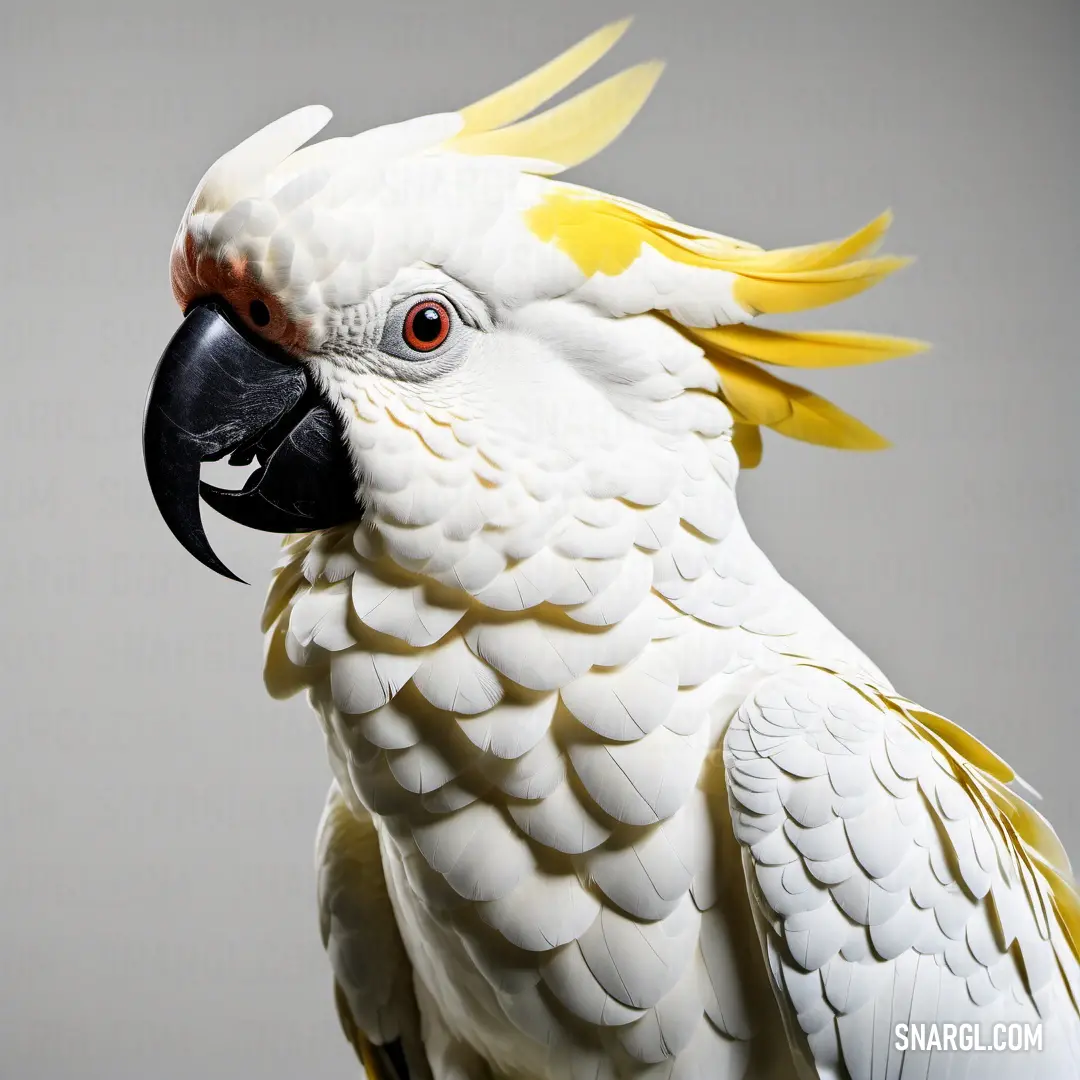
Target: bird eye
{"points": [[426, 326], [427, 335]]}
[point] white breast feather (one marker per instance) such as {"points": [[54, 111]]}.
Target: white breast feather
{"points": [[507, 688]]}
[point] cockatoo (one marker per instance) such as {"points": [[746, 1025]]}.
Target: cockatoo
{"points": [[611, 799]]}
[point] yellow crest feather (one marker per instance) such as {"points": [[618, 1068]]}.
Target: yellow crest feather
{"points": [[574, 131], [605, 235], [529, 93]]}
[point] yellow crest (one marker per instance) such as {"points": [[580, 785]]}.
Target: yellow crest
{"points": [[605, 235]]}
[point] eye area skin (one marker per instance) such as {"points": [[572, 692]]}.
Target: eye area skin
{"points": [[426, 325], [424, 335]]}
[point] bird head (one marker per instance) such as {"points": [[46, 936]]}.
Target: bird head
{"points": [[422, 328]]}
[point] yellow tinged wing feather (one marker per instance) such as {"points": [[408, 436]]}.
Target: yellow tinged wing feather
{"points": [[1066, 903], [373, 1062], [1040, 857], [529, 93], [577, 129], [964, 743], [1032, 828]]}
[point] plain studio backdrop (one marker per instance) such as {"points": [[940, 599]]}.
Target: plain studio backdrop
{"points": [[157, 911]]}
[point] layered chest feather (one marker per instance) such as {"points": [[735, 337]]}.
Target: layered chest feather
{"points": [[532, 709], [547, 787]]}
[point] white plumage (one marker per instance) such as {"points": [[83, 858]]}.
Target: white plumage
{"points": [[883, 891], [612, 800]]}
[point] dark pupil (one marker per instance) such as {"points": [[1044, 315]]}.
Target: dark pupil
{"points": [[260, 313], [427, 324]]}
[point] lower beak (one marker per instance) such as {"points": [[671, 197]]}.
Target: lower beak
{"points": [[214, 393]]}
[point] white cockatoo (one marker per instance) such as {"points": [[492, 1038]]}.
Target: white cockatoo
{"points": [[611, 799]]}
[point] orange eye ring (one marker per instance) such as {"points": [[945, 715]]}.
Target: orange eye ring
{"points": [[426, 326]]}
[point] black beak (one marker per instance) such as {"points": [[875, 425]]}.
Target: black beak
{"points": [[216, 392]]}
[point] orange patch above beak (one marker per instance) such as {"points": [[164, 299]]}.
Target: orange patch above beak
{"points": [[197, 276]]}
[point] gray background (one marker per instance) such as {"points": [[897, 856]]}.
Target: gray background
{"points": [[156, 810]]}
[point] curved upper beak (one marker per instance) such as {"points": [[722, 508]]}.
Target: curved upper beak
{"points": [[215, 392]]}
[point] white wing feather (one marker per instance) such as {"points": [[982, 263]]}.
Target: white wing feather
{"points": [[885, 893], [371, 970]]}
